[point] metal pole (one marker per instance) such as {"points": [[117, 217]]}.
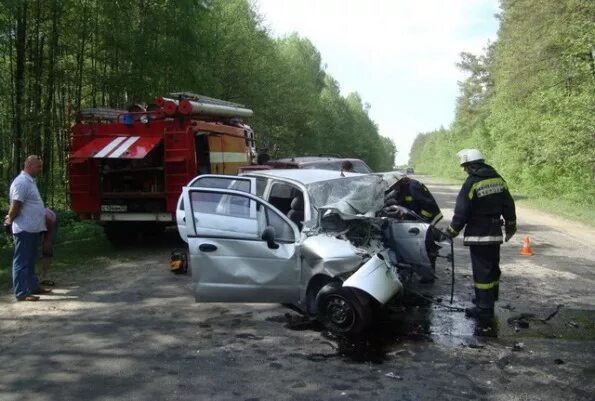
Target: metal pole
{"points": [[452, 268]]}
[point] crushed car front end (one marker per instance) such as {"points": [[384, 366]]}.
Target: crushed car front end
{"points": [[376, 253]]}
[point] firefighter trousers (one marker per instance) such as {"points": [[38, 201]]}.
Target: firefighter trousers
{"points": [[485, 262]]}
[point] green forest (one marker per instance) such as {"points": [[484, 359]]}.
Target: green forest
{"points": [[528, 103], [57, 56]]}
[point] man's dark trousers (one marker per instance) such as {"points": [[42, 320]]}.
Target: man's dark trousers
{"points": [[24, 280]]}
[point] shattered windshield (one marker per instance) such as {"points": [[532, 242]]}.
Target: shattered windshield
{"points": [[351, 195]]}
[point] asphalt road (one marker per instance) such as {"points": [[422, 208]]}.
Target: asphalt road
{"points": [[131, 331]]}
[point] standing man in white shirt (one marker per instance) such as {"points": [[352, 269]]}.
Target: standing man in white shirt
{"points": [[27, 216]]}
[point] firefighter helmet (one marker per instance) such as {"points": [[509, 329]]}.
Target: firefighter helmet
{"points": [[470, 155]]}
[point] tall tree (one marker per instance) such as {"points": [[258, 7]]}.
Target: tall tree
{"points": [[528, 102], [19, 81]]}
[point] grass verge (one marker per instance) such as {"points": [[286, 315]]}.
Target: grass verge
{"points": [[566, 209]]}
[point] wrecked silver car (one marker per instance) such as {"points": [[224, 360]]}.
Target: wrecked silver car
{"points": [[308, 238]]}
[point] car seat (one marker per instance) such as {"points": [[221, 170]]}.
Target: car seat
{"points": [[296, 213]]}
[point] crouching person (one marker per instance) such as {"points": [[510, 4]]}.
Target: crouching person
{"points": [[415, 196], [48, 239]]}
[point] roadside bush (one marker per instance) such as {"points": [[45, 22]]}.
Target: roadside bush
{"points": [[67, 218], [71, 228], [4, 241]]}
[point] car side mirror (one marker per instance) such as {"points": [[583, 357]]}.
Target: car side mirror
{"points": [[268, 235]]}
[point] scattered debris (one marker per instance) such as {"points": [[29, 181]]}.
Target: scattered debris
{"points": [[398, 352], [333, 346], [393, 376], [522, 316], [554, 313], [485, 331], [508, 307], [520, 321], [518, 347], [523, 324]]}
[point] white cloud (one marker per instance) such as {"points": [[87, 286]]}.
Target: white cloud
{"points": [[399, 55]]}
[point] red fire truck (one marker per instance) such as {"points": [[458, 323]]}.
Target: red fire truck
{"points": [[126, 168]]}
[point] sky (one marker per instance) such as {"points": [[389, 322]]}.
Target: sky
{"points": [[399, 55]]}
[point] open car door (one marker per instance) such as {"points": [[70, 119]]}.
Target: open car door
{"points": [[416, 243], [230, 260], [244, 184], [408, 239]]}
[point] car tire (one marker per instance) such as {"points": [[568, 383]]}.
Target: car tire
{"points": [[341, 311]]}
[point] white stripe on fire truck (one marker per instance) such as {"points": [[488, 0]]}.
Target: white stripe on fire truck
{"points": [[109, 147], [228, 157], [124, 147]]}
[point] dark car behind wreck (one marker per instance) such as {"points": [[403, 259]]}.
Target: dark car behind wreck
{"points": [[320, 162]]}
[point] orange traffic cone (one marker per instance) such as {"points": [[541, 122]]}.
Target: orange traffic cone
{"points": [[526, 249]]}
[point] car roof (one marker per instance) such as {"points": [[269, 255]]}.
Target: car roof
{"points": [[307, 176], [310, 159]]}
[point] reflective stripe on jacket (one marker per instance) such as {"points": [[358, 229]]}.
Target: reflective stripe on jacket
{"points": [[483, 199]]}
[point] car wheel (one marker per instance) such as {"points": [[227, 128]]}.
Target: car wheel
{"points": [[341, 311]]}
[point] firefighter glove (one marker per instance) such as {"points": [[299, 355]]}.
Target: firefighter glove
{"points": [[510, 231], [394, 211]]}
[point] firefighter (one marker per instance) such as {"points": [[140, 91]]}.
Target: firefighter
{"points": [[483, 199], [415, 196]]}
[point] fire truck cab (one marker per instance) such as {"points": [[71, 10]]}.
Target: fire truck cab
{"points": [[126, 168]]}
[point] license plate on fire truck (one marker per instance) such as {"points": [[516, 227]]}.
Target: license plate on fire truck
{"points": [[114, 208]]}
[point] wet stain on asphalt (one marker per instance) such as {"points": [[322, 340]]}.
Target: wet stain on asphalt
{"points": [[416, 319], [297, 322]]}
